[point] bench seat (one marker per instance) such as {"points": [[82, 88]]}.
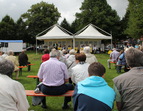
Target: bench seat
{"points": [[32, 76], [32, 93]]}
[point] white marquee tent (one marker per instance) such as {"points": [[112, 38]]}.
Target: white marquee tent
{"points": [[89, 32], [56, 32]]}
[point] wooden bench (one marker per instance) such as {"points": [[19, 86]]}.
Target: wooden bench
{"points": [[30, 64], [113, 63], [20, 69], [32, 93], [34, 77]]}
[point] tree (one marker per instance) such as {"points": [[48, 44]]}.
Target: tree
{"points": [[124, 25], [135, 23], [7, 29], [21, 30], [75, 26], [41, 16], [99, 13], [65, 25]]}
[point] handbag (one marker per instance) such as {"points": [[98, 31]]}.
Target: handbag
{"points": [[36, 100]]}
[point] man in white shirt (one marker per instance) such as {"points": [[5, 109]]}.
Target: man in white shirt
{"points": [[80, 71]]}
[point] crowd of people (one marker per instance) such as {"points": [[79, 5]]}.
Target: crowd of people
{"points": [[118, 58], [61, 71]]}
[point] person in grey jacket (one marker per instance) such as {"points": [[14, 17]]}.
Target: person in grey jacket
{"points": [[129, 86]]}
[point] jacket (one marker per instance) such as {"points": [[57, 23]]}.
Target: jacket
{"points": [[93, 94]]}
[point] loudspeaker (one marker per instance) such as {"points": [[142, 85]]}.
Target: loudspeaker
{"points": [[6, 44]]}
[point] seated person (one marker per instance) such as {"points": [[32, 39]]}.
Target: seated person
{"points": [[45, 56], [54, 74], [80, 71], [93, 93], [122, 62], [128, 86], [14, 60], [90, 58], [70, 61], [12, 93], [113, 57]]}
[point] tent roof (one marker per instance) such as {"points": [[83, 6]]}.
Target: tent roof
{"points": [[56, 32], [90, 32]]}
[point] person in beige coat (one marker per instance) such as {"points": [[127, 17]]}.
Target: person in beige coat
{"points": [[90, 58], [14, 60]]}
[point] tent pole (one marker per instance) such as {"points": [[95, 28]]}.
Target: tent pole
{"points": [[36, 46], [73, 42], [111, 41]]}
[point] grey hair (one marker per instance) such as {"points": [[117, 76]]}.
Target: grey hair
{"points": [[10, 52], [86, 49], [6, 67], [55, 53], [72, 51], [134, 57]]}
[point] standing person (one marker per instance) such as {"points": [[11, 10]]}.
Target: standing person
{"points": [[129, 86], [46, 55], [23, 59], [113, 57], [55, 45], [93, 93], [94, 49], [53, 74], [80, 71], [12, 93], [90, 58], [14, 60]]}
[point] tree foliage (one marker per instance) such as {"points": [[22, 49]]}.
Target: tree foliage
{"points": [[21, 30], [65, 25], [135, 23], [99, 13], [123, 25], [7, 29], [41, 16]]}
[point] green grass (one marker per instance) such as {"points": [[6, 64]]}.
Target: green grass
{"points": [[55, 103]]}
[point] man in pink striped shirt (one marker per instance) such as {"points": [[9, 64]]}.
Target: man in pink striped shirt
{"points": [[54, 74]]}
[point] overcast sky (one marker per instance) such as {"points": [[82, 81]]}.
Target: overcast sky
{"points": [[67, 8]]}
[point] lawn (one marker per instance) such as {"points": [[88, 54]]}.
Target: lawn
{"points": [[55, 103]]}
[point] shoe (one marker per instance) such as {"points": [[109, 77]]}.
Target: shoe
{"points": [[35, 104], [44, 106], [65, 107]]}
